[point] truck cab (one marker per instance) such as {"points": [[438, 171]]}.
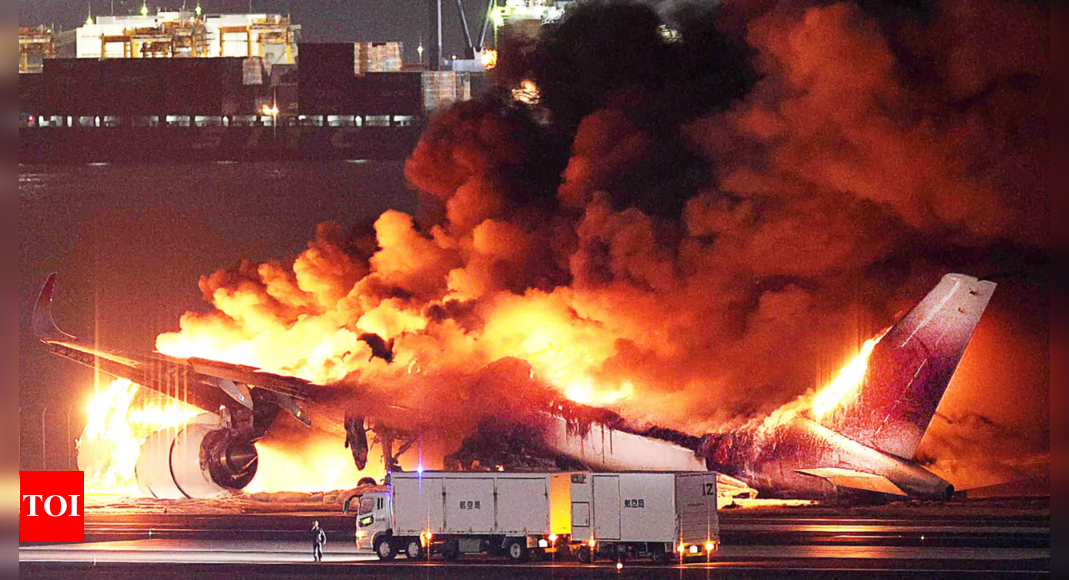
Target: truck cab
{"points": [[373, 518]]}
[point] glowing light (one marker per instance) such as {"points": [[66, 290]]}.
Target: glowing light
{"points": [[527, 92], [849, 378], [693, 549], [116, 428], [419, 469], [710, 546], [553, 538], [619, 565], [592, 543], [316, 465], [489, 58], [682, 548], [498, 16], [144, 9]]}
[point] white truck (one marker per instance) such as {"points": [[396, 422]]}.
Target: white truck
{"points": [[515, 514], [524, 515], [661, 516]]}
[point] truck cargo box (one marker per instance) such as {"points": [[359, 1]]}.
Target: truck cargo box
{"points": [[490, 503], [644, 507]]}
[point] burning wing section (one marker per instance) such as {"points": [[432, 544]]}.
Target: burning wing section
{"points": [[214, 453], [199, 381]]}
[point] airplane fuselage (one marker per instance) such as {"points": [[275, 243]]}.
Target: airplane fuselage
{"points": [[774, 462]]}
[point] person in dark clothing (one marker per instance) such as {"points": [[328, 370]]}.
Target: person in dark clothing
{"points": [[319, 537]]}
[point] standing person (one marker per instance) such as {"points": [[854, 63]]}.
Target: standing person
{"points": [[319, 537]]}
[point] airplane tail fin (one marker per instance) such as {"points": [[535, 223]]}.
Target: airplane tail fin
{"points": [[910, 368], [44, 327]]}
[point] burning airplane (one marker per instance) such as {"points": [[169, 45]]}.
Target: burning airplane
{"points": [[859, 434]]}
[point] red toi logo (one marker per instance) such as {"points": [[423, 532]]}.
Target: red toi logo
{"points": [[52, 507]]}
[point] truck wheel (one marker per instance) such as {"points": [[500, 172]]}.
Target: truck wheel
{"points": [[659, 556], [584, 554], [413, 549], [385, 549], [516, 549], [450, 552]]}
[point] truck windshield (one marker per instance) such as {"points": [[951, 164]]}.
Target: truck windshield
{"points": [[367, 505]]}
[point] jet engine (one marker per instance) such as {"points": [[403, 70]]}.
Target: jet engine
{"points": [[202, 459]]}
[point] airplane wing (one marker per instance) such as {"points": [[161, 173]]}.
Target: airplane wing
{"points": [[851, 479], [206, 384], [211, 385]]}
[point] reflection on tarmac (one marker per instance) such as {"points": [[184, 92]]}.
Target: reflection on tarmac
{"points": [[259, 552], [792, 544]]}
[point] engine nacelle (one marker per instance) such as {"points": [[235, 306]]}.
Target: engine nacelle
{"points": [[202, 459]]}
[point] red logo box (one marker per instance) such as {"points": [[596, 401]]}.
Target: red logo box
{"points": [[52, 507]]}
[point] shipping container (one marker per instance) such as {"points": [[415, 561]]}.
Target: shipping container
{"points": [[443, 88], [377, 57]]}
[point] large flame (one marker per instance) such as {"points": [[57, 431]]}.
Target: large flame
{"points": [[848, 380], [115, 429]]}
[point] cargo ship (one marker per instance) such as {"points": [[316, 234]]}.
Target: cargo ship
{"points": [[338, 103]]}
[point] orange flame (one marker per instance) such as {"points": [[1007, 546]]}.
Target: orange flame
{"points": [[488, 57], [115, 429], [849, 378]]}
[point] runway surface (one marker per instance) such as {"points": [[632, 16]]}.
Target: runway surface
{"points": [[798, 543]]}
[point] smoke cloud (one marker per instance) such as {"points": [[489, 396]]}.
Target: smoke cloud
{"points": [[699, 217]]}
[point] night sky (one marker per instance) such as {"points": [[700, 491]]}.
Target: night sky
{"points": [[321, 20]]}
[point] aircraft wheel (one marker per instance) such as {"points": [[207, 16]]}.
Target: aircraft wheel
{"points": [[516, 549], [413, 549], [385, 549], [584, 554]]}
